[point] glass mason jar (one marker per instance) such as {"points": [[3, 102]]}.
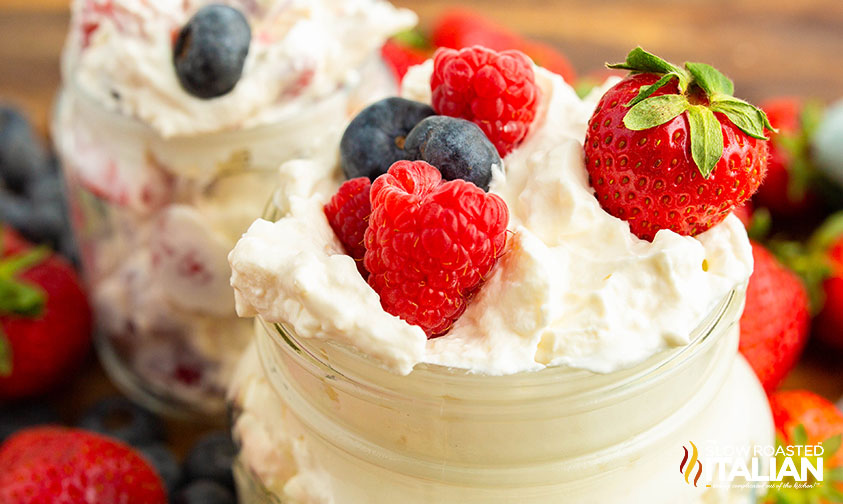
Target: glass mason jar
{"points": [[320, 423], [155, 219]]}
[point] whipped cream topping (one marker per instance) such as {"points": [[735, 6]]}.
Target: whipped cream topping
{"points": [[575, 288], [120, 53]]}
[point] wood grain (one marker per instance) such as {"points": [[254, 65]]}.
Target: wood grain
{"points": [[769, 47]]}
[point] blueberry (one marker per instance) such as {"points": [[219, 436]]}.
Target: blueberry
{"points": [[22, 156], [211, 458], [204, 492], [15, 210], [165, 463], [119, 418], [211, 49], [39, 223], [14, 417], [458, 148], [375, 138]]}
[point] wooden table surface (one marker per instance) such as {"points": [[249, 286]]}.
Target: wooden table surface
{"points": [[769, 48]]}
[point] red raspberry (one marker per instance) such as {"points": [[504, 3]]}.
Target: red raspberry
{"points": [[495, 90], [348, 213], [430, 244]]}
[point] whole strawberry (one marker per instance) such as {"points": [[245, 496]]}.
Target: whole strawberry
{"points": [[45, 319], [431, 243], [776, 319], [787, 190], [671, 148], [497, 91], [55, 465]]}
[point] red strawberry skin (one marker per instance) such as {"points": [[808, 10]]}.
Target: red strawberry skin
{"points": [[55, 465], [774, 193], [459, 28], [46, 348], [430, 244], [348, 214], [649, 178], [821, 419], [496, 91], [828, 325], [776, 320]]}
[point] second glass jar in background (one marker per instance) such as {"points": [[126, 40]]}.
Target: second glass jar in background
{"points": [[155, 218]]}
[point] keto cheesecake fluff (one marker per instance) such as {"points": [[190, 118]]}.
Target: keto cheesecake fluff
{"points": [[163, 179], [575, 304]]}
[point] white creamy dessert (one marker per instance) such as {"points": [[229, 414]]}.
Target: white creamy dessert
{"points": [[355, 405], [162, 183], [576, 287]]}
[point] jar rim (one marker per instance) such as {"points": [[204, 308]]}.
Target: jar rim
{"points": [[345, 364]]}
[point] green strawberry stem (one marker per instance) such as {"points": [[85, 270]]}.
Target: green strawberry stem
{"points": [[703, 90]]}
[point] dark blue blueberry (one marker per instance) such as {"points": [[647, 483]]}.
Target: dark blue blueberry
{"points": [[375, 138], [121, 419], [49, 220], [458, 148], [15, 210], [211, 458], [211, 49], [14, 417], [165, 463], [22, 156], [45, 223]]}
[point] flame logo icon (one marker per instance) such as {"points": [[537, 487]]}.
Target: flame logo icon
{"points": [[689, 461]]}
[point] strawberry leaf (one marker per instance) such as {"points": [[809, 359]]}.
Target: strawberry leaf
{"points": [[19, 298], [760, 224], [412, 38], [800, 435], [646, 91], [711, 80], [655, 111], [748, 118], [17, 263], [640, 61], [827, 234], [831, 445], [5, 356], [706, 138]]}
